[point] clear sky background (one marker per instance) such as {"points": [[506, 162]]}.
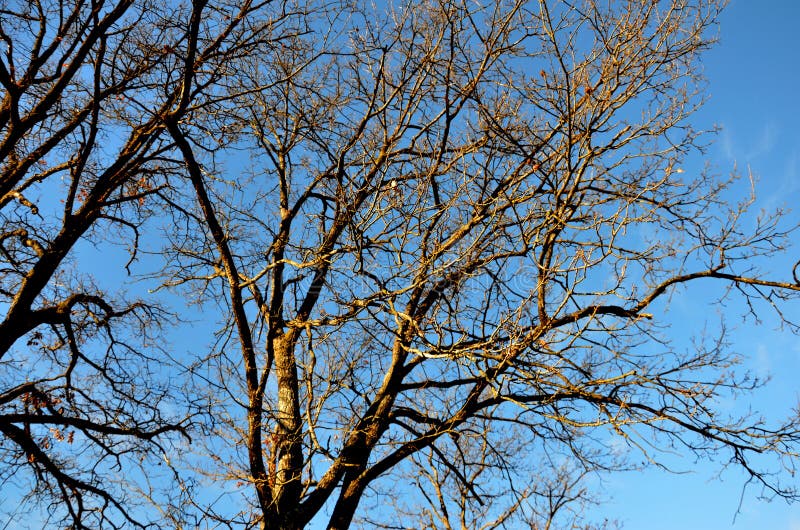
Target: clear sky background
{"points": [[753, 90], [754, 95]]}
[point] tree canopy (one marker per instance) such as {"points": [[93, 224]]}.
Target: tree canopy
{"points": [[433, 242]]}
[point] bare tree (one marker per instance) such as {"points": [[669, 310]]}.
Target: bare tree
{"points": [[437, 238], [86, 410]]}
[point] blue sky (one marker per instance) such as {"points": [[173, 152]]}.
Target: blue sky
{"points": [[753, 95], [753, 80], [754, 75]]}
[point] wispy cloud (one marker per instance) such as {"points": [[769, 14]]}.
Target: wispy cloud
{"points": [[765, 142], [737, 147]]}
